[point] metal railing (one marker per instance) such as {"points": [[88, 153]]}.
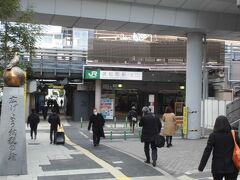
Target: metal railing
{"points": [[51, 63]]}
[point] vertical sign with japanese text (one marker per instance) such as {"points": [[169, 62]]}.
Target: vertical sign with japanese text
{"points": [[13, 159]]}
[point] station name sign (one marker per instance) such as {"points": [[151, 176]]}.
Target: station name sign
{"points": [[113, 75]]}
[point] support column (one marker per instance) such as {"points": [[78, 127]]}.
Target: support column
{"points": [[194, 83], [98, 88]]}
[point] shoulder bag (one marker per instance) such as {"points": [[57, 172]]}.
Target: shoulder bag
{"points": [[236, 152], [159, 140]]}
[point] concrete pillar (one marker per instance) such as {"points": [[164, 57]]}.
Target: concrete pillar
{"points": [[98, 88], [194, 83], [13, 157]]}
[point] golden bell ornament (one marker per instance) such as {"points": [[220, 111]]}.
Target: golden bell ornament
{"points": [[14, 77]]}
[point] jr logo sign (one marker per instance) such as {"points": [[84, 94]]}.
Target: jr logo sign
{"points": [[92, 74]]}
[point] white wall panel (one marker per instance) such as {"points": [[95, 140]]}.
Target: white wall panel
{"points": [[141, 13], [213, 109], [44, 6], [68, 9], [94, 9], [164, 16], [118, 11], [186, 18]]}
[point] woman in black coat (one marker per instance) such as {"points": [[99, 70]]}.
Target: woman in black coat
{"points": [[97, 122], [151, 126], [222, 144]]}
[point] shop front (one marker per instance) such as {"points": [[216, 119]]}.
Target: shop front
{"points": [[120, 90]]}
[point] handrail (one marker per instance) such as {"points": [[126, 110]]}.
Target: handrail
{"points": [[235, 122]]}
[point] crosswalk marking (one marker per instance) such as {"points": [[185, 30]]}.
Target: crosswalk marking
{"points": [[74, 172], [83, 134], [117, 162], [114, 171]]}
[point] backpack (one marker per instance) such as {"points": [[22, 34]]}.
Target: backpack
{"points": [[132, 116], [236, 152]]}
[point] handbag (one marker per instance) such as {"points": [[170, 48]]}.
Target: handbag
{"points": [[159, 141], [236, 152], [134, 119]]}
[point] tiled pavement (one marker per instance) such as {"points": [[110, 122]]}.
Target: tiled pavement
{"points": [[72, 162]]}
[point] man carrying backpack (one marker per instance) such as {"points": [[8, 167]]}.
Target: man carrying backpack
{"points": [[33, 120], [54, 121], [132, 118]]}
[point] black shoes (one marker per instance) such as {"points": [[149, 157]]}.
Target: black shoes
{"points": [[169, 145], [147, 161], [154, 163]]}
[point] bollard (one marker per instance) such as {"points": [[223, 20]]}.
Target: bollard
{"points": [[111, 135], [125, 135], [126, 120], [182, 131], [115, 122], [81, 122]]}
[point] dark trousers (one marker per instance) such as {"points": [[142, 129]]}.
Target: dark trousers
{"points": [[169, 140], [132, 124], [231, 176], [53, 131], [147, 150], [96, 138], [33, 130]]}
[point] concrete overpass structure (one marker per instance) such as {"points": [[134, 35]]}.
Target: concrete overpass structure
{"points": [[197, 20], [215, 18]]}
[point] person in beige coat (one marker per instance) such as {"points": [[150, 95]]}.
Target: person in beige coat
{"points": [[169, 125]]}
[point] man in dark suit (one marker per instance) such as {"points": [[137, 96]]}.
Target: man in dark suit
{"points": [[151, 126], [54, 121], [96, 121]]}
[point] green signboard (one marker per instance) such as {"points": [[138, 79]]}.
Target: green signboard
{"points": [[92, 74]]}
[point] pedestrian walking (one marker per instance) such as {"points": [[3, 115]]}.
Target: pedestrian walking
{"points": [[33, 120], [61, 102], [56, 106], [170, 125], [132, 118], [221, 142], [44, 112], [96, 121], [54, 122], [151, 126]]}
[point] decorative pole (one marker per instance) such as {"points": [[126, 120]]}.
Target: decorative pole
{"points": [[115, 122], [81, 122]]}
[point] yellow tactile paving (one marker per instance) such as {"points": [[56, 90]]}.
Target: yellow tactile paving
{"points": [[115, 172]]}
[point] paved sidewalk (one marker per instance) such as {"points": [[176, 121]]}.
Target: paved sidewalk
{"points": [[180, 160], [183, 157], [71, 162], [40, 152]]}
